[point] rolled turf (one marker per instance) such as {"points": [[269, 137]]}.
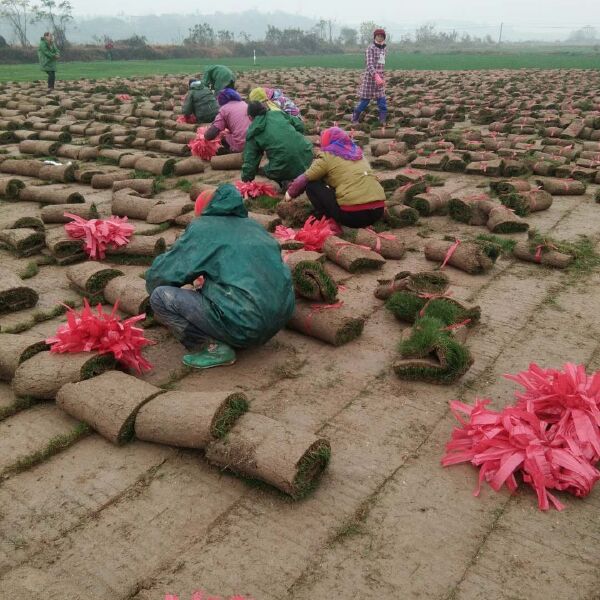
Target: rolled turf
{"points": [[16, 348]]}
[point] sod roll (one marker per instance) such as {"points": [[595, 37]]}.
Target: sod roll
{"points": [[91, 277], [49, 194], [16, 221], [312, 282], [104, 181], [504, 220], [27, 168], [401, 216], [524, 203], [108, 403], [227, 162], [165, 212], [140, 245], [156, 166], [55, 213], [64, 248], [258, 447], [386, 244], [39, 147], [468, 256], [16, 348], [473, 211], [128, 203], [42, 375], [10, 188], [130, 292], [430, 203], [62, 173], [296, 212], [562, 187], [145, 187], [269, 222], [552, 258], [350, 256], [189, 166], [189, 419], [22, 241], [330, 323], [14, 294], [421, 282]]}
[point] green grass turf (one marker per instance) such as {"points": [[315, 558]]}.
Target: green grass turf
{"points": [[396, 60]]}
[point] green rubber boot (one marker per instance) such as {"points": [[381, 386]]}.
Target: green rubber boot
{"points": [[216, 354]]}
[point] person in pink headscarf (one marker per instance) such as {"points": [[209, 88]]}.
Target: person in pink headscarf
{"points": [[232, 117], [340, 183]]}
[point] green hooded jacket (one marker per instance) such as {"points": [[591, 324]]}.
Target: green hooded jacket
{"points": [[201, 103], [280, 136], [47, 55], [217, 77], [248, 287]]}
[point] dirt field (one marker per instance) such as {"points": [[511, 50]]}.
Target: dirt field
{"points": [[95, 521]]}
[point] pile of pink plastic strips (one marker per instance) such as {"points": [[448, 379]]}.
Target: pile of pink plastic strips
{"points": [[99, 234], [550, 438], [105, 333], [254, 189], [202, 148], [190, 119], [313, 233]]}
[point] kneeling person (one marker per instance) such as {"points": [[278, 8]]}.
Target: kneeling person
{"points": [[247, 295]]}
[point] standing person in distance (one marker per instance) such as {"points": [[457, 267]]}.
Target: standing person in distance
{"points": [[48, 54], [373, 84]]}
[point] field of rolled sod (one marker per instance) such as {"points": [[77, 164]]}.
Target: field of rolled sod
{"points": [[397, 60]]}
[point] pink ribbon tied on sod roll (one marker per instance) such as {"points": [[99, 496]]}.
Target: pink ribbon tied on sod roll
{"points": [[450, 253]]}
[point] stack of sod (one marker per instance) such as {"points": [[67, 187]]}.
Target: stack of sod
{"points": [[504, 220], [14, 295], [351, 257], [42, 375], [261, 448], [331, 323], [130, 292], [386, 244], [397, 216], [141, 249], [296, 212], [430, 350], [562, 187], [423, 282], [63, 248], [50, 194], [90, 278], [474, 210], [189, 419], [108, 403], [16, 348], [524, 203], [55, 213], [23, 241], [472, 257], [10, 188]]}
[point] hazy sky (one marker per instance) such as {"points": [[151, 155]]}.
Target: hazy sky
{"points": [[528, 13]]}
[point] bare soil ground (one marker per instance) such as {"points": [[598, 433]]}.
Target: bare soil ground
{"points": [[100, 522]]}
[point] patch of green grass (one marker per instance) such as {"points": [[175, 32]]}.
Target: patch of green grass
{"points": [[54, 446], [17, 406], [159, 184], [154, 230], [565, 59], [185, 185], [39, 317], [506, 244], [139, 174], [31, 270], [103, 160], [237, 406]]}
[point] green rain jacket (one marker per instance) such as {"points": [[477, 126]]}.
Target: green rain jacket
{"points": [[248, 287], [200, 102], [280, 136], [47, 55], [217, 77]]}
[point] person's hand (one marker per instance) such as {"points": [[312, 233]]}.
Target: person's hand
{"points": [[287, 197], [379, 79]]}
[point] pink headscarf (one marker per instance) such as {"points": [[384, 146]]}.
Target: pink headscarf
{"points": [[337, 142]]}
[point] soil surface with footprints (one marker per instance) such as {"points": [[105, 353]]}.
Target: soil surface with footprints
{"points": [[496, 171]]}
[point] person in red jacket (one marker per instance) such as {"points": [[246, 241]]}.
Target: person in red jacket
{"points": [[373, 84]]}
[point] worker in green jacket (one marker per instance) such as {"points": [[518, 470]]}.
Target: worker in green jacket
{"points": [[200, 102], [218, 77], [279, 135], [48, 55], [247, 294]]}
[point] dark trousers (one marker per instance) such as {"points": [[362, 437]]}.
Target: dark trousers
{"points": [[323, 199], [51, 79]]}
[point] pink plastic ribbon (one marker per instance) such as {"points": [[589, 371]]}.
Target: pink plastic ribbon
{"points": [[450, 252], [317, 308]]}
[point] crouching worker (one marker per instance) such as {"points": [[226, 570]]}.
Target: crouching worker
{"points": [[279, 136], [233, 117], [340, 183], [200, 102], [247, 295]]}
